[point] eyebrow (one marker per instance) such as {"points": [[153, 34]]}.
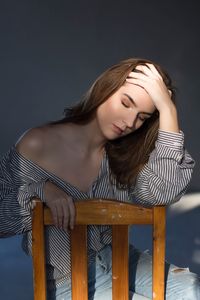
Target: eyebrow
{"points": [[133, 102]]}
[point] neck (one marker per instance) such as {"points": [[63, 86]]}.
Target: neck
{"points": [[87, 137]]}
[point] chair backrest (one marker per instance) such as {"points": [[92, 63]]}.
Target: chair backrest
{"points": [[108, 212]]}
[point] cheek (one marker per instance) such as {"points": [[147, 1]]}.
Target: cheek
{"points": [[101, 114], [108, 110]]}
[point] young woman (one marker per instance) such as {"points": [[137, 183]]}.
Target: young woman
{"points": [[121, 141]]}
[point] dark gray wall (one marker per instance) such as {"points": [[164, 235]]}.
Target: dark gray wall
{"points": [[50, 53]]}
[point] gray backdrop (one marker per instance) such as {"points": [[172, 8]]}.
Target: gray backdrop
{"points": [[51, 52]]}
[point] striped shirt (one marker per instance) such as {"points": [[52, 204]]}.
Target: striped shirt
{"points": [[163, 180]]}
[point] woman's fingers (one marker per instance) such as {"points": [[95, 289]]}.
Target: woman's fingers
{"points": [[136, 75], [139, 79], [148, 70], [154, 70], [72, 213], [54, 214], [66, 215], [144, 69], [135, 81], [60, 213], [61, 205]]}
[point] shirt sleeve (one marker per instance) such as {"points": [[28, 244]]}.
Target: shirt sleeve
{"points": [[166, 176], [16, 192]]}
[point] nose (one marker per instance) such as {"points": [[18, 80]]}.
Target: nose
{"points": [[130, 119]]}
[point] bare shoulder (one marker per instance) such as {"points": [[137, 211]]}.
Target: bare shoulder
{"points": [[34, 142]]}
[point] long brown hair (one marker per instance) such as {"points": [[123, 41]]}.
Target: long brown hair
{"points": [[128, 154]]}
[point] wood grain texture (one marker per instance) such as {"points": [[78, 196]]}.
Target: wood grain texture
{"points": [[159, 231], [38, 249], [101, 211], [120, 283], [108, 212], [79, 263]]}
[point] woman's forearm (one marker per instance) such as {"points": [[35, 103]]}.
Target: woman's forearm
{"points": [[168, 120]]}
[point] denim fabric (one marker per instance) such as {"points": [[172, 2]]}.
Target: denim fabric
{"points": [[181, 284]]}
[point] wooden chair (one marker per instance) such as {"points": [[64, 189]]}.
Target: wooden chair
{"points": [[101, 211]]}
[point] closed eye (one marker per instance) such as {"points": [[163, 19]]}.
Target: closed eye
{"points": [[125, 103], [142, 118]]}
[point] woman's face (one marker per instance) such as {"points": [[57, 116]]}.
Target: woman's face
{"points": [[124, 112]]}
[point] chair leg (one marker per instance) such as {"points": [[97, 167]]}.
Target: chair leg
{"points": [[159, 229], [38, 248]]}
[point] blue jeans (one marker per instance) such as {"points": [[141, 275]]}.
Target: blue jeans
{"points": [[181, 284]]}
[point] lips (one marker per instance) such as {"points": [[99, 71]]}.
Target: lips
{"points": [[117, 129]]}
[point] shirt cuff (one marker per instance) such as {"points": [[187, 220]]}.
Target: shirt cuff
{"points": [[173, 140]]}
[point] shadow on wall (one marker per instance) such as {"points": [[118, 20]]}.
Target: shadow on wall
{"points": [[183, 248]]}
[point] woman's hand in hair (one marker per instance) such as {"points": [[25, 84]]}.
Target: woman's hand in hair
{"points": [[61, 206], [147, 77]]}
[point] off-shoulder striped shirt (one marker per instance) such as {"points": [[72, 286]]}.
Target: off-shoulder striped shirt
{"points": [[163, 180]]}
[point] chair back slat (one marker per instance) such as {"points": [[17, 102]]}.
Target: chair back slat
{"points": [[109, 212], [120, 285], [38, 249], [159, 231], [79, 263]]}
